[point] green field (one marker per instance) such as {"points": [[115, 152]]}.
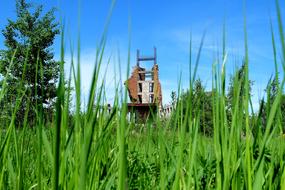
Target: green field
{"points": [[90, 148]]}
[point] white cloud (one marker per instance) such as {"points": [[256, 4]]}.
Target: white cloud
{"points": [[109, 72]]}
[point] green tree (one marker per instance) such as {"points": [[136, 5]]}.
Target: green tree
{"points": [[236, 91], [28, 42], [173, 97], [201, 102], [272, 90], [238, 79]]}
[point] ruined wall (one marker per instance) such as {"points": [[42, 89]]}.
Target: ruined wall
{"points": [[157, 85], [145, 92], [144, 89], [132, 85]]}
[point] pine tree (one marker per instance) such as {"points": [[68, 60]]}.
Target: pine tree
{"points": [[33, 72]]}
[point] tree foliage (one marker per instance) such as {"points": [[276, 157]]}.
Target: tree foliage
{"points": [[272, 90], [33, 71], [201, 102], [234, 93]]}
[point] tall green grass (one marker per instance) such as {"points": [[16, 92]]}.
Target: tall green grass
{"points": [[95, 149]]}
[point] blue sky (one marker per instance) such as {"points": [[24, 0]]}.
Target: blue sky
{"points": [[167, 25]]}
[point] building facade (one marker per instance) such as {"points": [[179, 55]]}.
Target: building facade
{"points": [[144, 89]]}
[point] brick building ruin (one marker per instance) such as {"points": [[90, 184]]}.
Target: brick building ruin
{"points": [[144, 89]]}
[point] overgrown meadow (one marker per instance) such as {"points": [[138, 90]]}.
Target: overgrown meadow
{"points": [[92, 147]]}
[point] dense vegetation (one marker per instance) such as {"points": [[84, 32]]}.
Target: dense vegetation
{"points": [[214, 142], [27, 62]]}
